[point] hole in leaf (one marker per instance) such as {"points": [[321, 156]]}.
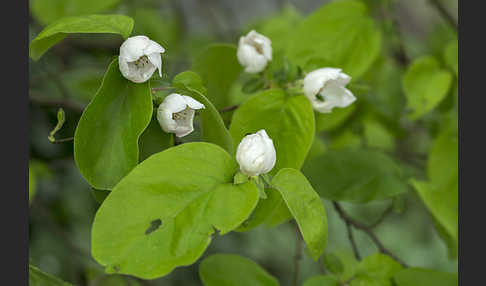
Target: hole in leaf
{"points": [[154, 225]]}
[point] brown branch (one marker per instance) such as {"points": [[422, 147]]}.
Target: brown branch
{"points": [[352, 241], [368, 231], [229, 108], [444, 13], [45, 101]]}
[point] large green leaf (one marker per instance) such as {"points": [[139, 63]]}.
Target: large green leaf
{"points": [[219, 68], [213, 128], [322, 280], [55, 32], [425, 277], [306, 207], [106, 138], [48, 11], [39, 278], [355, 175], [231, 270], [341, 33], [288, 120], [425, 85], [162, 214]]}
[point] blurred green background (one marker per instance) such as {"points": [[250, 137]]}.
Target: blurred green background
{"points": [[63, 206]]}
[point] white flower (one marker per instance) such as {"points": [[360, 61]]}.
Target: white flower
{"points": [[176, 113], [325, 89], [256, 154], [254, 52], [139, 58]]}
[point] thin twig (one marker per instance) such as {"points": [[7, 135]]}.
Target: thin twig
{"points": [[444, 13], [368, 231], [298, 255], [58, 141], [381, 218], [45, 101], [155, 89], [352, 241], [229, 108]]}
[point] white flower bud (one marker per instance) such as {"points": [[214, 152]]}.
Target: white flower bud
{"points": [[254, 52], [176, 114], [256, 154], [139, 58], [325, 89]]}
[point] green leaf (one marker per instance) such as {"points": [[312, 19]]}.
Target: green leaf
{"points": [[333, 263], [189, 79], [253, 85], [440, 192], [187, 192], [442, 164], [277, 26], [329, 121], [386, 96], [265, 209], [346, 139], [231, 270], [99, 195], [425, 85], [288, 120], [212, 125], [57, 31], [355, 175], [340, 32], [48, 11], [39, 278], [154, 140], [219, 68], [61, 118], [442, 202], [451, 56], [32, 183], [106, 138], [380, 268], [306, 207], [346, 267], [377, 135], [321, 280], [159, 27], [425, 277]]}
